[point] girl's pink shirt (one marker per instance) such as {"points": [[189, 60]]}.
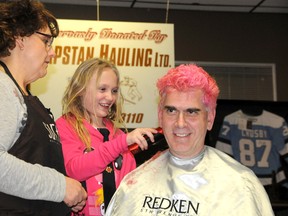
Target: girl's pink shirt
{"points": [[89, 166]]}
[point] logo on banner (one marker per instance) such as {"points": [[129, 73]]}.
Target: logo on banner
{"points": [[130, 90]]}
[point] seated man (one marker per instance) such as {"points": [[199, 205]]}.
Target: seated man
{"points": [[189, 178]]}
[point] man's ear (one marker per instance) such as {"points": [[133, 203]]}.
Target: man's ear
{"points": [[211, 118], [160, 112]]}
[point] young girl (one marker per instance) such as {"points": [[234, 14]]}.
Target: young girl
{"points": [[92, 101]]}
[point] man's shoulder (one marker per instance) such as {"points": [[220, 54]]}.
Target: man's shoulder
{"points": [[224, 163]]}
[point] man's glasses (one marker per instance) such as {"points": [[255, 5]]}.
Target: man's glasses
{"points": [[49, 39]]}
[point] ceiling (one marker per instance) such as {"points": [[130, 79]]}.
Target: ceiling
{"points": [[244, 6]]}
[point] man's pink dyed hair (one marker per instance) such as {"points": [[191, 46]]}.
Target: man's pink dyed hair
{"points": [[189, 77]]}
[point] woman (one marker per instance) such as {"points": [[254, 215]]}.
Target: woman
{"points": [[92, 104], [32, 180]]}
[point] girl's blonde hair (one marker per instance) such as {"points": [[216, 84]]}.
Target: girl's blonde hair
{"points": [[72, 103]]}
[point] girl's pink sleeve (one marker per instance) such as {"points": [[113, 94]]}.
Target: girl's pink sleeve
{"points": [[82, 166]]}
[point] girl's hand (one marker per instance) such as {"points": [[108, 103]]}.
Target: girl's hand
{"points": [[137, 136]]}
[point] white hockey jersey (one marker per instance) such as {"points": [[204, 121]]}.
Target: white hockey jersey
{"points": [[257, 142]]}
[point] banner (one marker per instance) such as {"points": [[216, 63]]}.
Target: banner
{"points": [[142, 52]]}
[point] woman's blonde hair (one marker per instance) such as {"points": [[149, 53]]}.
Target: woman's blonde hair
{"points": [[72, 103]]}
